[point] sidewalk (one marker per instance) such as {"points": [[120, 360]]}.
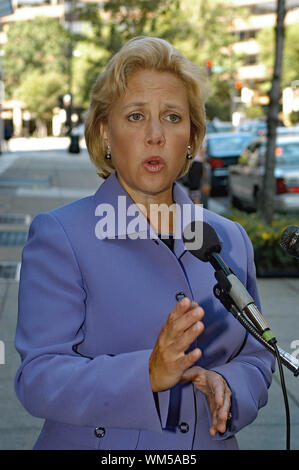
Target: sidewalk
{"points": [[34, 180]]}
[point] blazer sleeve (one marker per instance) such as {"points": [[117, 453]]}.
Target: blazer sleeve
{"points": [[53, 380], [249, 373]]}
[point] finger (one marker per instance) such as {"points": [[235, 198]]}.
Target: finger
{"points": [[220, 414], [223, 412], [186, 361], [185, 339], [190, 358], [188, 323], [192, 316], [177, 312], [191, 374], [178, 326], [181, 307], [219, 392]]}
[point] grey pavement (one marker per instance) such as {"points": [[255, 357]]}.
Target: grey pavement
{"points": [[38, 175]]}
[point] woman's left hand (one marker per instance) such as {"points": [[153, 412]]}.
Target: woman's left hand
{"points": [[217, 392]]}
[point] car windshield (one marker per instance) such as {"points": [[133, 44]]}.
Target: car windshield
{"points": [[286, 154], [228, 144]]}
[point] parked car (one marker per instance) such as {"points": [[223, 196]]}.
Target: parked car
{"points": [[222, 150], [257, 127], [287, 130], [245, 179], [216, 125]]}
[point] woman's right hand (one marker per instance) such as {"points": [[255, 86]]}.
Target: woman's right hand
{"points": [[168, 361]]}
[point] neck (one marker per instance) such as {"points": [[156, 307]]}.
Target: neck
{"points": [[159, 209]]}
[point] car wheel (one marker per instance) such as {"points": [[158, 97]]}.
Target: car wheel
{"points": [[256, 198], [233, 201]]}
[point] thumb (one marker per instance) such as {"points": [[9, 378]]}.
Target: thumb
{"points": [[190, 374]]}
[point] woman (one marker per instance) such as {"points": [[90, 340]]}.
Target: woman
{"points": [[123, 344]]}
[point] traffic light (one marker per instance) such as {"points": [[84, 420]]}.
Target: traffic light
{"points": [[238, 87], [209, 66]]}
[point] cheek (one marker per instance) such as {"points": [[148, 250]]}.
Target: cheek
{"points": [[180, 144], [121, 142]]}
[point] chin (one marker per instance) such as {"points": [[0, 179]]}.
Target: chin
{"points": [[155, 185]]}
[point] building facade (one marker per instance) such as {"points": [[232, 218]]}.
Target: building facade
{"points": [[262, 14]]}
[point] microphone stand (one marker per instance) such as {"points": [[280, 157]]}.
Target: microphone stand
{"points": [[221, 293]]}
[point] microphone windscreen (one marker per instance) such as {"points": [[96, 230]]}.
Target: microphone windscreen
{"points": [[210, 240]]}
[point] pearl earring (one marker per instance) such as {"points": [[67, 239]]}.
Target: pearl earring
{"points": [[189, 154], [108, 152]]}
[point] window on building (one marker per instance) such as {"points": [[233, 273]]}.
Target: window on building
{"points": [[251, 59]]}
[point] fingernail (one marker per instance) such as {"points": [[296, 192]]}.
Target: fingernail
{"points": [[184, 301], [194, 303]]}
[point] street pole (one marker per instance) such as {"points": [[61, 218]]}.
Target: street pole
{"points": [[68, 19], [266, 203], [5, 9], [1, 106]]}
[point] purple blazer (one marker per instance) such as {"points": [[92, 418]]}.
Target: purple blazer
{"points": [[90, 311]]}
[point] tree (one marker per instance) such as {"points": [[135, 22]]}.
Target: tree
{"points": [[39, 91], [266, 40], [39, 44], [268, 191], [198, 28]]}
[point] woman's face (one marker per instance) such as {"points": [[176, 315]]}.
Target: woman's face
{"points": [[148, 130]]}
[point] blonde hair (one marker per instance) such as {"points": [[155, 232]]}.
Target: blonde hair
{"points": [[137, 54]]}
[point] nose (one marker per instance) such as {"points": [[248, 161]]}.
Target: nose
{"points": [[155, 133]]}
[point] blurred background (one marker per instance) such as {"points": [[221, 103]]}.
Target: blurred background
{"points": [[51, 52]]}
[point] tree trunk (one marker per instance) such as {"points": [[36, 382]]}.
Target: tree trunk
{"points": [[269, 185]]}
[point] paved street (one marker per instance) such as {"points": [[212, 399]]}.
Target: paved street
{"points": [[33, 180]]}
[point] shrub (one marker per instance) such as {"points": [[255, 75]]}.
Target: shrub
{"points": [[270, 258]]}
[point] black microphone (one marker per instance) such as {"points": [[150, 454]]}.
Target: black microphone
{"points": [[237, 295], [289, 240]]}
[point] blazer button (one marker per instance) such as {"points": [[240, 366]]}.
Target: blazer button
{"points": [[183, 427], [180, 295], [100, 432]]}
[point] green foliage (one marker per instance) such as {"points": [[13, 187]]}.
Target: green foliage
{"points": [[39, 91], [294, 117], [219, 103], [40, 45], [198, 28], [270, 258], [254, 112], [85, 69], [266, 42]]}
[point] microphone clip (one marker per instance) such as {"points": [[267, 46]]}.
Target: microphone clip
{"points": [[221, 291]]}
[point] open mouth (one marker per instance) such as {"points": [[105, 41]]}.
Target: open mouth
{"points": [[154, 164]]}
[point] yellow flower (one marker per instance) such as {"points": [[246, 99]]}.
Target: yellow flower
{"points": [[266, 236]]}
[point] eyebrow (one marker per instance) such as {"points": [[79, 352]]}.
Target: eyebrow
{"points": [[143, 103]]}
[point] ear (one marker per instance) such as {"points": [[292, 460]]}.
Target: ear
{"points": [[104, 131]]}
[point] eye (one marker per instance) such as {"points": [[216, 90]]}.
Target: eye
{"points": [[173, 117], [135, 117]]}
